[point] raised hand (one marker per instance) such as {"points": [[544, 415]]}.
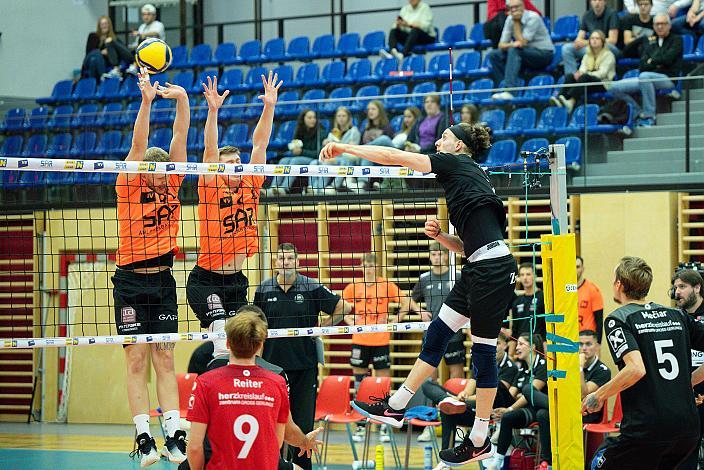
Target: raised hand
{"points": [[311, 443], [330, 151], [145, 86], [432, 228], [214, 99], [171, 91], [271, 89]]}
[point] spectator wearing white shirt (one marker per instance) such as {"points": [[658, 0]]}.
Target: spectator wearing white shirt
{"points": [[660, 7], [151, 27], [413, 27]]}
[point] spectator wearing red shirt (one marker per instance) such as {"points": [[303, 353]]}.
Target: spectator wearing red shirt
{"points": [[496, 13], [243, 408]]}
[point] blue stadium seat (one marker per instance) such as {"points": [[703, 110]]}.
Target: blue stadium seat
{"points": [[163, 112], [231, 80], [179, 57], [423, 87], [501, 153], [468, 65], [83, 145], [12, 146], [457, 85], [285, 73], [338, 95], [498, 102], [161, 78], [161, 138], [565, 28], [536, 95], [59, 146], [306, 75], [411, 65], [285, 109], [395, 103], [108, 146], [551, 118], [87, 116], [60, 94], [201, 56], [253, 80], [358, 72], [184, 79], [532, 145], [250, 52], [556, 59], [494, 118], [199, 109], [225, 54], [476, 38], [323, 47], [61, 118], [127, 118], [373, 42], [109, 89], [687, 44], [14, 120], [573, 151], [348, 46], [192, 141], [284, 135], [362, 94], [37, 119], [453, 34], [333, 74], [274, 50], [228, 113], [129, 88], [420, 49], [196, 86], [310, 95], [479, 93], [125, 145], [382, 70], [438, 67], [35, 146], [520, 119], [698, 54], [254, 110], [298, 48], [397, 122], [577, 121], [236, 135]]}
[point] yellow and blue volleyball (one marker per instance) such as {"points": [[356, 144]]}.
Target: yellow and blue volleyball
{"points": [[153, 54]]}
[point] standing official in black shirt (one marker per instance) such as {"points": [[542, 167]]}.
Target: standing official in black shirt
{"points": [[651, 346], [527, 308], [292, 300], [484, 291]]}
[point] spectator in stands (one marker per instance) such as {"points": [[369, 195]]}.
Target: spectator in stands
{"points": [[426, 132], [598, 65], [151, 27], [524, 306], [598, 17], [661, 59], [636, 29], [93, 63], [496, 13], [591, 303], [413, 27], [303, 149], [113, 50], [531, 403], [346, 132], [378, 131], [411, 117], [692, 22], [593, 374], [525, 42], [469, 114], [660, 7], [292, 300]]}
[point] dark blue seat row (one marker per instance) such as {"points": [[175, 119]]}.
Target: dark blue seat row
{"points": [[503, 153]]}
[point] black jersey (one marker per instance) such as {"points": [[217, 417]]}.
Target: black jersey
{"points": [[660, 406], [507, 370], [539, 371], [475, 210], [524, 307], [599, 374]]}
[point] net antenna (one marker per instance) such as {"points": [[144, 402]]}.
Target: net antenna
{"points": [[452, 106]]}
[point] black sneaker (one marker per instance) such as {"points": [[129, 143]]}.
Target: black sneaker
{"points": [[146, 450], [175, 447], [380, 411], [466, 452]]}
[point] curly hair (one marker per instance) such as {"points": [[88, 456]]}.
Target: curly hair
{"points": [[479, 136]]}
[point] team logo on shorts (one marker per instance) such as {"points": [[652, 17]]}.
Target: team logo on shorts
{"points": [[298, 299], [129, 315], [214, 302]]}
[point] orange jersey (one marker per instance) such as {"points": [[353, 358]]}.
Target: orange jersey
{"points": [[228, 220], [371, 307], [590, 300]]}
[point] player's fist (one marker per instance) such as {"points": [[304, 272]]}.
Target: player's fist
{"points": [[432, 228], [330, 151]]}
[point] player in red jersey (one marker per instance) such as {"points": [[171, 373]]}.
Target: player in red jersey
{"points": [[242, 407]]}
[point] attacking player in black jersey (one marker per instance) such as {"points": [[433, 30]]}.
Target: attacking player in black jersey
{"points": [[484, 291], [651, 346]]}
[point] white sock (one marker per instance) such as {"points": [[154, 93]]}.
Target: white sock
{"points": [[499, 460], [172, 422], [219, 345], [480, 428], [400, 399], [142, 424]]}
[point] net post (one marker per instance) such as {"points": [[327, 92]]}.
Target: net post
{"points": [[558, 189]]}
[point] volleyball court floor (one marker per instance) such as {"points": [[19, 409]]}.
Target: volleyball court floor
{"points": [[44, 446]]}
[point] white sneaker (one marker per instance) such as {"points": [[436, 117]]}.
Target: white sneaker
{"points": [[442, 466], [452, 406], [175, 447], [384, 54], [503, 95], [358, 435], [426, 435], [146, 450], [384, 434], [398, 55]]}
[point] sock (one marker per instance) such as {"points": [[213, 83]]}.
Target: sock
{"points": [[142, 424], [172, 422], [499, 460], [357, 381], [219, 345], [400, 399], [480, 428]]}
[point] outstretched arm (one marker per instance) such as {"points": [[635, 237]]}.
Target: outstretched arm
{"points": [[262, 133], [140, 136], [177, 151], [380, 155], [210, 133]]}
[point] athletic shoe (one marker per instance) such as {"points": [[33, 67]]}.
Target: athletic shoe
{"points": [[555, 101], [384, 434], [359, 433], [384, 54], [175, 447], [645, 122], [398, 55], [452, 406], [426, 435], [441, 466], [466, 452], [146, 450], [380, 411]]}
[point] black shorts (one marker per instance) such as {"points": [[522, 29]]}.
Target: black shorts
{"points": [[455, 353], [484, 293], [623, 453], [145, 303], [379, 356], [215, 296]]}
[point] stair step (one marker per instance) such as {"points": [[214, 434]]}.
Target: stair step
{"points": [[678, 118], [669, 130], [629, 168], [664, 142], [639, 180], [694, 105]]}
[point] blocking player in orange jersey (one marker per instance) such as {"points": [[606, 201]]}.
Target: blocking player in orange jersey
{"points": [[148, 212], [227, 209]]}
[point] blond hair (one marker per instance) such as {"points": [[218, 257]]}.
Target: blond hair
{"points": [[156, 154], [246, 333], [635, 276]]}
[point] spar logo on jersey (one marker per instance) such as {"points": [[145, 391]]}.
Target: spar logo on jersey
{"points": [[617, 341]]}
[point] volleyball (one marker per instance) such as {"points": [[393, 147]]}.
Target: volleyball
{"points": [[153, 54]]}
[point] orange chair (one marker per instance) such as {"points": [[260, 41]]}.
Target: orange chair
{"points": [[606, 425], [333, 406], [456, 385]]}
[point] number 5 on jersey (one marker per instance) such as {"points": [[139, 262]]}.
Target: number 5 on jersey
{"points": [[666, 357]]}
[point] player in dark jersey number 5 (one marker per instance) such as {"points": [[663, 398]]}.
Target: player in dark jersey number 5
{"points": [[483, 292], [651, 345]]}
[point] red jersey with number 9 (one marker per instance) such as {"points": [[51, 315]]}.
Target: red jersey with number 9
{"points": [[241, 406]]}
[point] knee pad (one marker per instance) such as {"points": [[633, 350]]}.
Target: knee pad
{"points": [[484, 365], [436, 340]]}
